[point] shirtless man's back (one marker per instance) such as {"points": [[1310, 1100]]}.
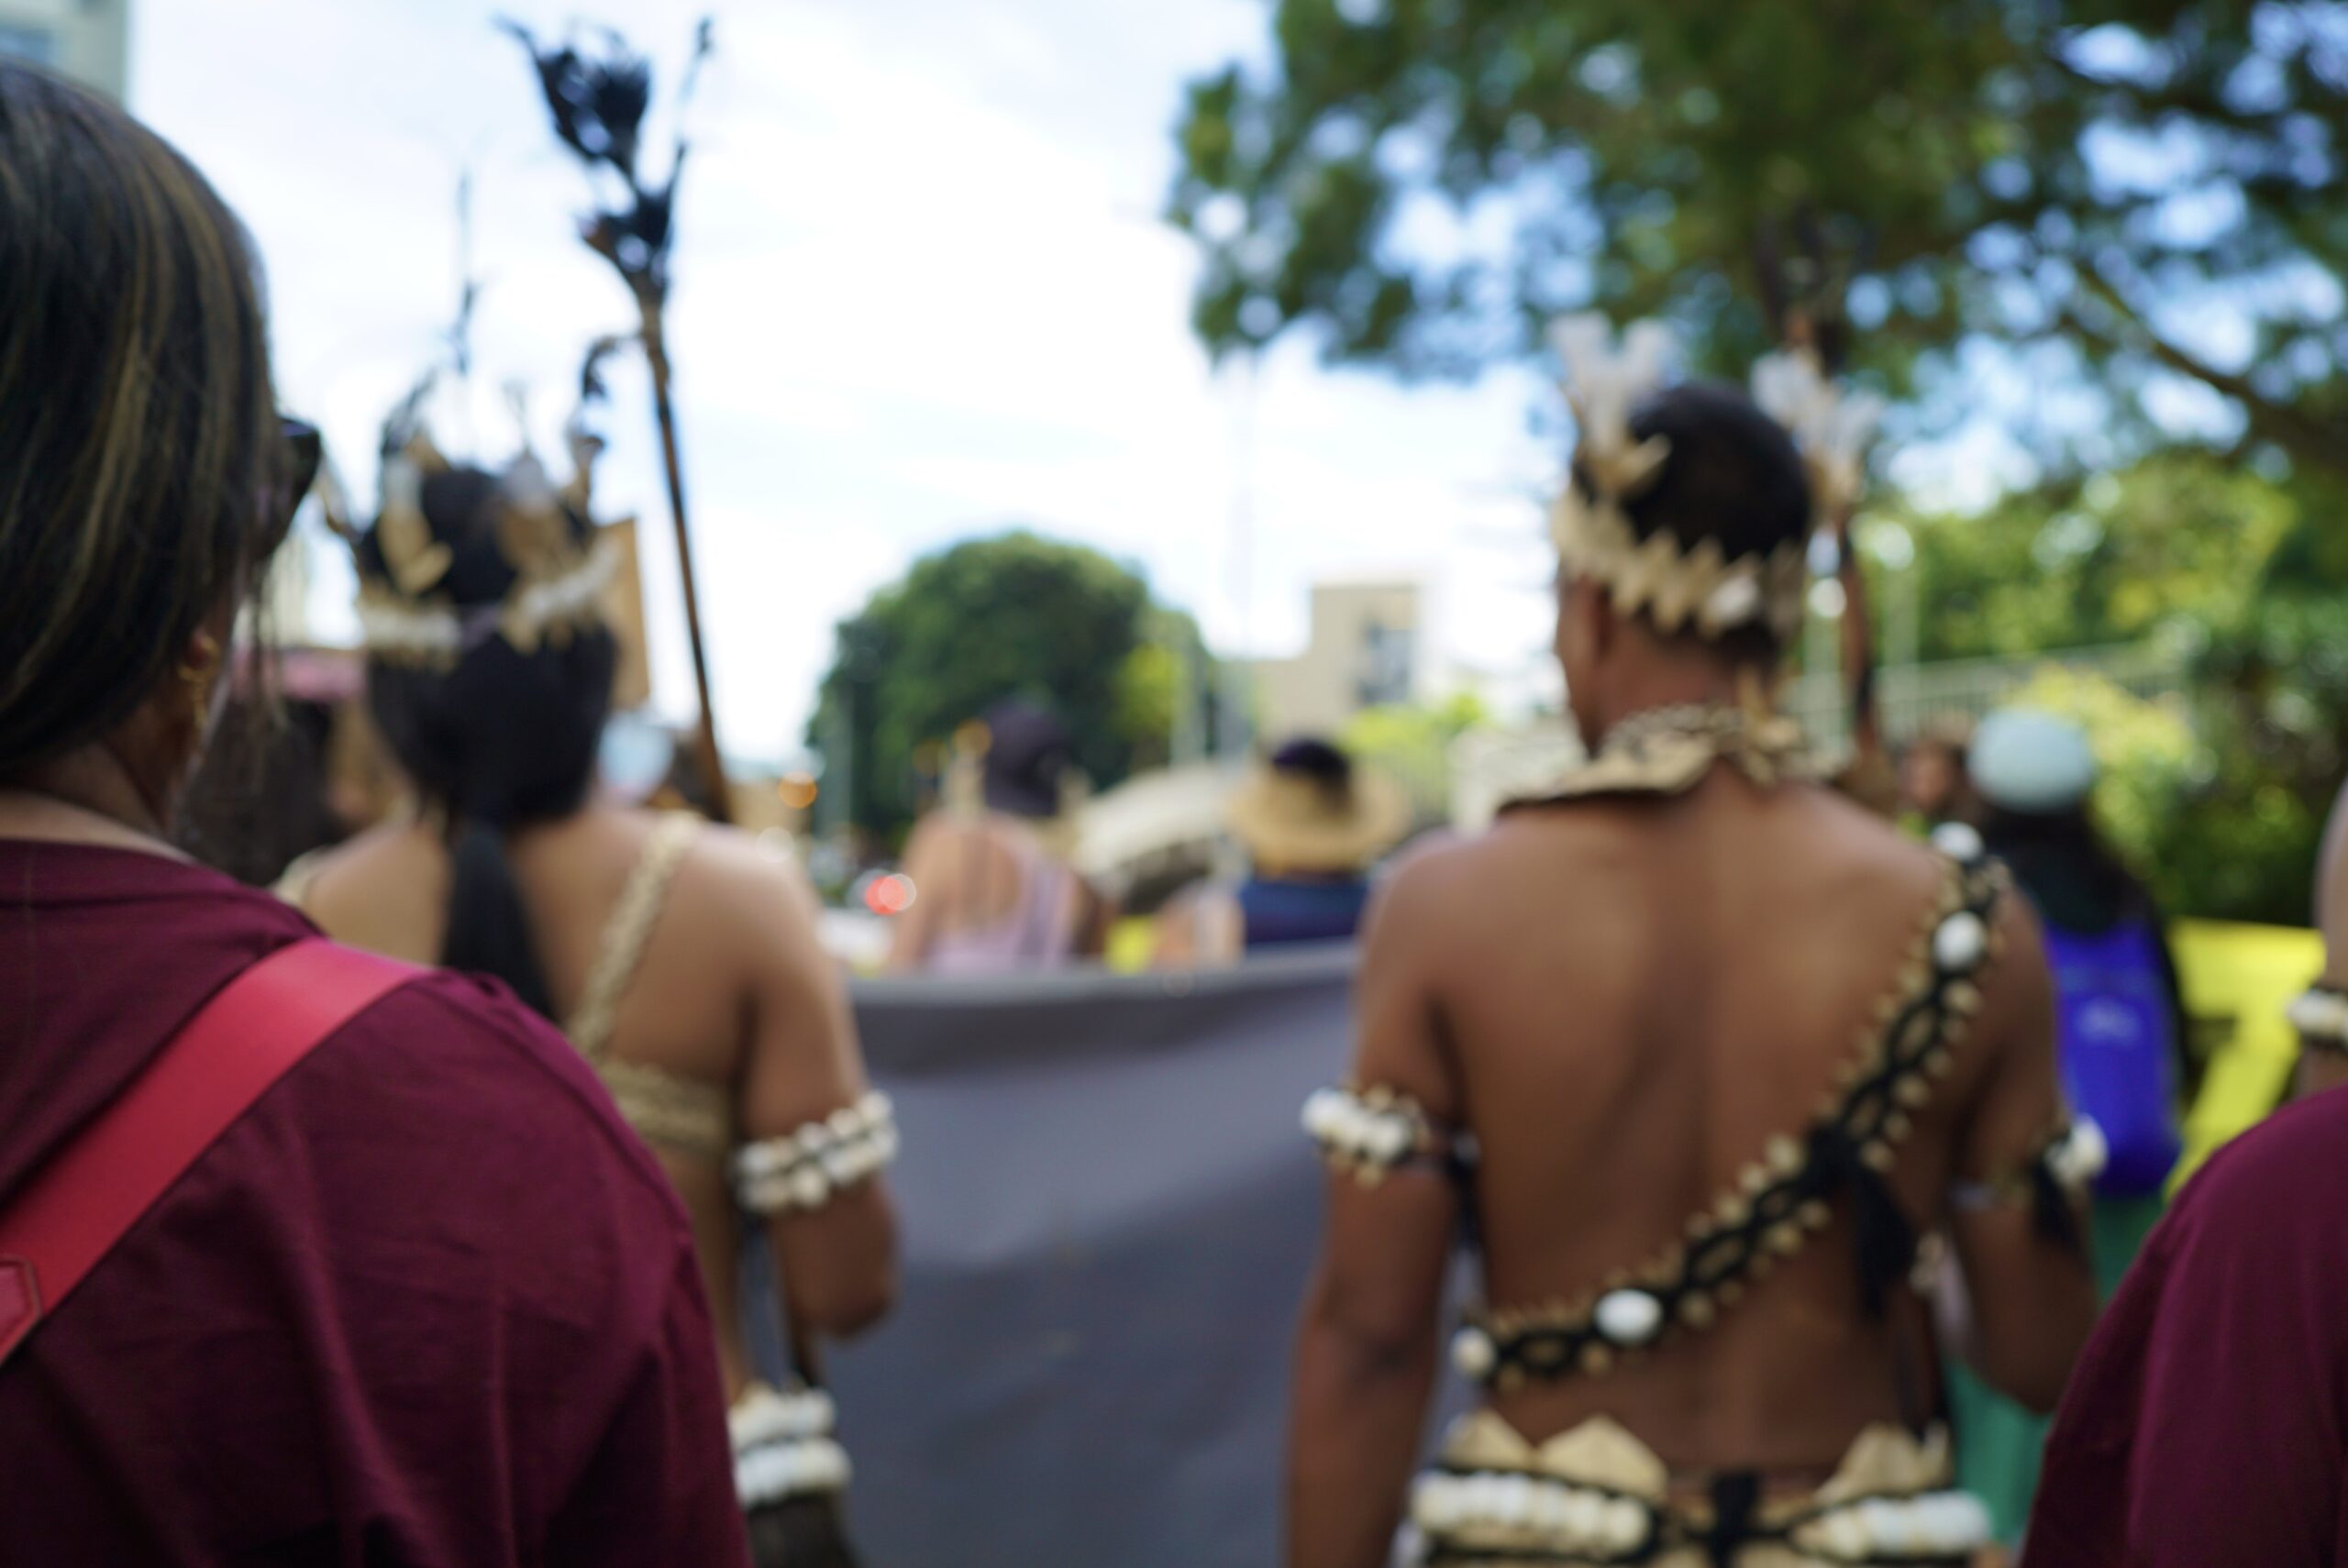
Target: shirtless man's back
{"points": [[1593, 1041], [1639, 997]]}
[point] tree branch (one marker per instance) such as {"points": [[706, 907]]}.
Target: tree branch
{"points": [[2307, 438]]}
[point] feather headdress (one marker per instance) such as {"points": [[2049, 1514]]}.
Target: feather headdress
{"points": [[408, 611], [1696, 588], [1832, 430]]}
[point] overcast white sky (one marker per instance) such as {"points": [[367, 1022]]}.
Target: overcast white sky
{"points": [[923, 294]]}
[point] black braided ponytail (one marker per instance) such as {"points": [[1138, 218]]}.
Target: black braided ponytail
{"points": [[502, 740]]}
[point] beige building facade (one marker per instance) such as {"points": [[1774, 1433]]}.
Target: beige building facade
{"points": [[1364, 650], [88, 40]]}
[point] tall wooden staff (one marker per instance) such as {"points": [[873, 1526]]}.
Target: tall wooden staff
{"points": [[1803, 288], [598, 106]]}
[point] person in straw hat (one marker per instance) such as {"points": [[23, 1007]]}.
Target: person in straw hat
{"points": [[1313, 823]]}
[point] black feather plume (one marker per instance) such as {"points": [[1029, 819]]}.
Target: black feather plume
{"points": [[598, 103]]}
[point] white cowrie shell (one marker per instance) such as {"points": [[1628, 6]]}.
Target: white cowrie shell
{"points": [[1629, 1318], [1959, 944], [1474, 1354]]}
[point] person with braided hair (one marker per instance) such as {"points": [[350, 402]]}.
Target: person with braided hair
{"points": [[680, 958], [1707, 1064]]}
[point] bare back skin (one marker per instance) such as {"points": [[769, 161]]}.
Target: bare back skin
{"points": [[733, 990], [1624, 1000], [970, 876]]}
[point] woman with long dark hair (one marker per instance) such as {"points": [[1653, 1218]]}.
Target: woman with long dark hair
{"points": [[680, 958], [304, 1259]]}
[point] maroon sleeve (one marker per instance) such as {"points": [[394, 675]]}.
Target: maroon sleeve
{"points": [[659, 1489], [2203, 1426]]}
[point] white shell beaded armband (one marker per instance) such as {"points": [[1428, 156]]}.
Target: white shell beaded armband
{"points": [[1370, 1133], [804, 1170], [2077, 1158], [2321, 1018], [2074, 1156], [783, 1445]]}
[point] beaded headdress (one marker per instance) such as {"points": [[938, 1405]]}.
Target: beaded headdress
{"points": [[1695, 588], [1681, 587], [561, 566]]}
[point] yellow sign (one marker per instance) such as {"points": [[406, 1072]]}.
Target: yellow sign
{"points": [[2237, 981]]}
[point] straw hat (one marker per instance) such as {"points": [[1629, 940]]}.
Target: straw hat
{"points": [[1308, 808]]}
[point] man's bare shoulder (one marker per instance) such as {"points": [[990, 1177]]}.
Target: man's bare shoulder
{"points": [[1860, 843], [1472, 874]]}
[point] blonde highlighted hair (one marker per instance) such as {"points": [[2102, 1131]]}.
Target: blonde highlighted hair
{"points": [[138, 435]]}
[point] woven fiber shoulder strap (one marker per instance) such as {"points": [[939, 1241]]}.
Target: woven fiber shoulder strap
{"points": [[628, 933], [90, 1193]]}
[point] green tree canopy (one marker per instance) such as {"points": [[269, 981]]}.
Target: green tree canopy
{"points": [[1427, 181], [2178, 545], [2247, 579], [1013, 616], [1412, 746]]}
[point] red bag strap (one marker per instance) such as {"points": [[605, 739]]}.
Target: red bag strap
{"points": [[90, 1193]]}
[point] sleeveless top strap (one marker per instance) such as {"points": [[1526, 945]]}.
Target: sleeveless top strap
{"points": [[628, 933]]}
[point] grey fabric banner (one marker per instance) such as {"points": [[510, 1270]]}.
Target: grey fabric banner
{"points": [[1110, 1213]]}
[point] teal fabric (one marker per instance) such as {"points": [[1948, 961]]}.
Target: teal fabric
{"points": [[1997, 1442]]}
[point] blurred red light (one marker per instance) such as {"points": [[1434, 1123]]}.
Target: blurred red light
{"points": [[889, 896]]}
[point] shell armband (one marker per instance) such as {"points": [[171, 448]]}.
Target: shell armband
{"points": [[1372, 1134], [2321, 1018], [783, 1445], [2069, 1160], [804, 1170]]}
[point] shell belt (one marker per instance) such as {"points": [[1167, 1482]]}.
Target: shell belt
{"points": [[1596, 1497]]}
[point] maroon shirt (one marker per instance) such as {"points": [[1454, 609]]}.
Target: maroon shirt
{"points": [[429, 1304], [2207, 1425]]}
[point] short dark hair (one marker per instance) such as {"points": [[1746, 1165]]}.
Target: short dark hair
{"points": [[1316, 759], [139, 453], [1734, 475], [1029, 752]]}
